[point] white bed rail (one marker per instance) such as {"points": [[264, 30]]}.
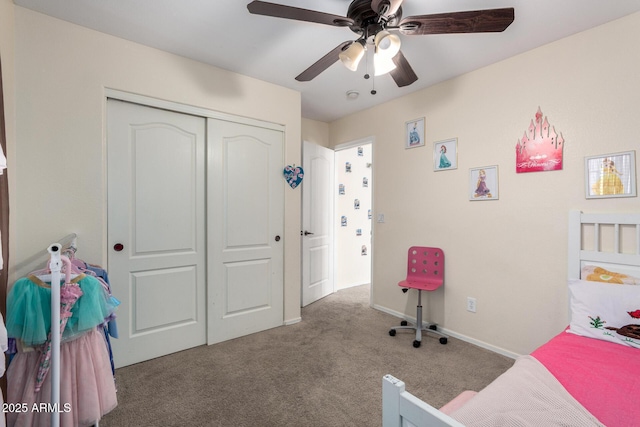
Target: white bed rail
{"points": [[402, 409], [579, 256]]}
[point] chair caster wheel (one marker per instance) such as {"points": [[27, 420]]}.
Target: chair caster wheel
{"points": [[392, 332], [433, 327], [416, 343], [403, 323], [443, 340]]}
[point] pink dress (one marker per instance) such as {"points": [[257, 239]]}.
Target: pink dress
{"points": [[87, 388]]}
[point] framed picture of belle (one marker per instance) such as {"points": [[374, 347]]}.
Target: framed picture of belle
{"points": [[414, 136], [610, 175]]}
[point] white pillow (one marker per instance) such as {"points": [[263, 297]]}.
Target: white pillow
{"points": [[605, 311]]}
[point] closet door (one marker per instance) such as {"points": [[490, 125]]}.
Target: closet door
{"points": [[156, 230], [245, 228]]}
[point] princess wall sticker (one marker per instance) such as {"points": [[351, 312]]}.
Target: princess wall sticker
{"points": [[481, 187], [444, 162], [609, 182], [414, 136]]}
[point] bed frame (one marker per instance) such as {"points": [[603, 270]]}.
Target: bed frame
{"points": [[608, 240]]}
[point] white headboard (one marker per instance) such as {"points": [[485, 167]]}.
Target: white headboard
{"points": [[610, 240]]}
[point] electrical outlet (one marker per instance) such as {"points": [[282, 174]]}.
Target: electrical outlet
{"points": [[471, 304]]}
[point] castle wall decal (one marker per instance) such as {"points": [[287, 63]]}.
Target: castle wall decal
{"points": [[540, 148]]}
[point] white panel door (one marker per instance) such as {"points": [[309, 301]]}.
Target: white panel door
{"points": [[245, 228], [156, 230], [317, 224]]}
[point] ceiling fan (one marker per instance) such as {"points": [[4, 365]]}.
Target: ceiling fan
{"points": [[376, 22]]}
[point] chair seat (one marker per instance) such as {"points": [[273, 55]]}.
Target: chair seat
{"points": [[424, 285]]}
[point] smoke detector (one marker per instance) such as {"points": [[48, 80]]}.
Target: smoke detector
{"points": [[352, 94]]}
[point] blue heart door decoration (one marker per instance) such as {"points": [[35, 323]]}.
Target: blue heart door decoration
{"points": [[293, 175]]}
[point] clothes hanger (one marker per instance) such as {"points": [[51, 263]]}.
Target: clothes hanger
{"points": [[70, 270]]}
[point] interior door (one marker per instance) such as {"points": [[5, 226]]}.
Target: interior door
{"points": [[317, 222], [246, 225], [156, 229]]}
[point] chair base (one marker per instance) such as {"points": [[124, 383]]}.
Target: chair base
{"points": [[431, 328]]}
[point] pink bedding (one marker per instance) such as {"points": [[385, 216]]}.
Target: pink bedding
{"points": [[604, 377]]}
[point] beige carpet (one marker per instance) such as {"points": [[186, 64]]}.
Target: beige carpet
{"points": [[324, 371]]}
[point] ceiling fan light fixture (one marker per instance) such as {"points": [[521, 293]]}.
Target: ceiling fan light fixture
{"points": [[382, 64], [387, 44], [352, 55]]}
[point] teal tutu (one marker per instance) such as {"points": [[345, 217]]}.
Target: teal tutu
{"points": [[29, 309]]}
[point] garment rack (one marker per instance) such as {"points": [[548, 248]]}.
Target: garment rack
{"points": [[56, 260], [55, 266]]}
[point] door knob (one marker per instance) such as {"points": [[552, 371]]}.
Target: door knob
{"points": [[277, 238], [306, 233], [118, 247]]}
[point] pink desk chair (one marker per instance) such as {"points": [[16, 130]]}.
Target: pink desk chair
{"points": [[425, 272]]}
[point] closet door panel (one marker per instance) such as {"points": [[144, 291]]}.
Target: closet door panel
{"points": [[157, 305], [156, 212], [164, 192], [246, 226], [246, 167]]}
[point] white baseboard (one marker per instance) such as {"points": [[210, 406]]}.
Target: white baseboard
{"points": [[351, 285], [451, 333], [292, 321]]}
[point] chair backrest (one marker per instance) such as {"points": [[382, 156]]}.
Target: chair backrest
{"points": [[425, 266]]}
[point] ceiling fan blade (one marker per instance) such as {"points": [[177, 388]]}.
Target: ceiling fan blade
{"points": [[403, 74], [386, 7], [298, 14], [473, 21], [323, 63]]}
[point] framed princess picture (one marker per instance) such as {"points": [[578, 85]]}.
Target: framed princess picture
{"points": [[610, 175], [414, 133], [445, 155], [483, 183]]}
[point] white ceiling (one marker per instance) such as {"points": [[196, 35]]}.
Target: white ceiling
{"points": [[223, 33]]}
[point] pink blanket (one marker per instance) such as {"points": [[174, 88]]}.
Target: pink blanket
{"points": [[604, 377], [525, 395]]}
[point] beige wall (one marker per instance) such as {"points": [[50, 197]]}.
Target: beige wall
{"points": [[315, 132], [62, 71], [510, 254]]}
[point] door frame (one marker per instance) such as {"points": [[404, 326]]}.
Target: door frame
{"points": [[339, 147], [355, 143], [121, 95]]}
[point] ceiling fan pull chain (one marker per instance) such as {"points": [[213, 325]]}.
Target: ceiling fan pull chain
{"points": [[366, 64]]}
